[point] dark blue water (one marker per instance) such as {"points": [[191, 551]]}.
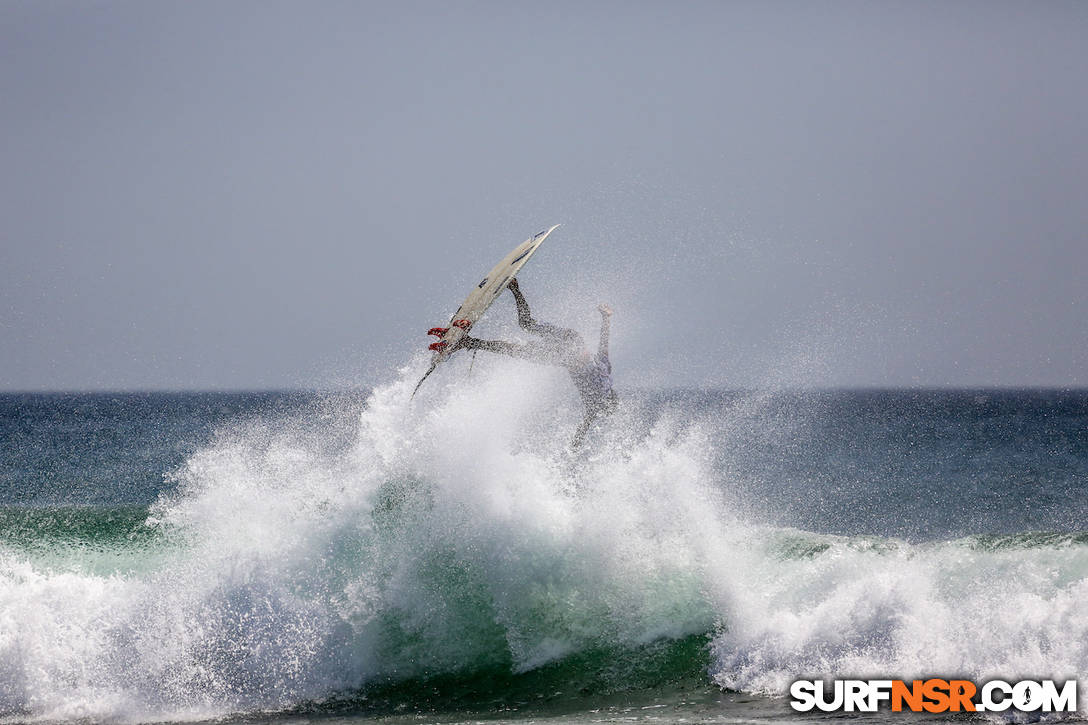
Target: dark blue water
{"points": [[117, 448], [917, 464], [199, 555]]}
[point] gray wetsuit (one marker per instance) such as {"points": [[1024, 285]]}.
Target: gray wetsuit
{"points": [[592, 376]]}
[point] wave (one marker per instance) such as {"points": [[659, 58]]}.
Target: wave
{"points": [[308, 561]]}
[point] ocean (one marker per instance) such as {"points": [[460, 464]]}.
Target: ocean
{"points": [[360, 556]]}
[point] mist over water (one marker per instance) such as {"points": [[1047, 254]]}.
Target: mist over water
{"points": [[308, 551]]}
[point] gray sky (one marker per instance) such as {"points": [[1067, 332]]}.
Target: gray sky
{"points": [[261, 194]]}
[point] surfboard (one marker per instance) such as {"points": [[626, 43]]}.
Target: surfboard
{"points": [[479, 299]]}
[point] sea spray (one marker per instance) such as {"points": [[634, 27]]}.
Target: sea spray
{"points": [[362, 553], [448, 537], [854, 607]]}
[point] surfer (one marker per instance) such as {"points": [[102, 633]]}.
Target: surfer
{"points": [[592, 375]]}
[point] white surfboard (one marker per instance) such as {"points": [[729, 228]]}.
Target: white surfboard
{"points": [[480, 298]]}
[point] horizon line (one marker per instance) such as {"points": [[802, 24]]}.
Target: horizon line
{"points": [[1000, 387]]}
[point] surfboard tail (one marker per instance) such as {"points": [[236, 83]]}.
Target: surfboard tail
{"points": [[479, 299]]}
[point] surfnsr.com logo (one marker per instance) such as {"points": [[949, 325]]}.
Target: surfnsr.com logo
{"points": [[934, 695]]}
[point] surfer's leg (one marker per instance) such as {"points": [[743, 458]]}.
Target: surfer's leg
{"points": [[538, 352], [525, 318], [561, 343], [502, 347], [527, 323]]}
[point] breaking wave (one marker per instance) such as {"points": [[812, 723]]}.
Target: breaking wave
{"points": [[311, 559]]}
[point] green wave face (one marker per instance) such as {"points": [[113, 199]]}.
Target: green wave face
{"points": [[89, 526], [87, 539]]}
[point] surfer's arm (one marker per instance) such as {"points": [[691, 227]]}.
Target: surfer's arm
{"points": [[580, 434], [606, 322]]}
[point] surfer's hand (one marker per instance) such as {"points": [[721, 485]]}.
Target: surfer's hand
{"points": [[513, 285], [605, 310]]}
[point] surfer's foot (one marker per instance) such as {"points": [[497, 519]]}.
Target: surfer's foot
{"points": [[512, 285], [469, 343]]}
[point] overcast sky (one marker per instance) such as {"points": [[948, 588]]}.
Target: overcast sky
{"points": [[264, 195]]}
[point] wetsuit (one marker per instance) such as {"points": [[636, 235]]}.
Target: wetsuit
{"points": [[592, 376]]}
